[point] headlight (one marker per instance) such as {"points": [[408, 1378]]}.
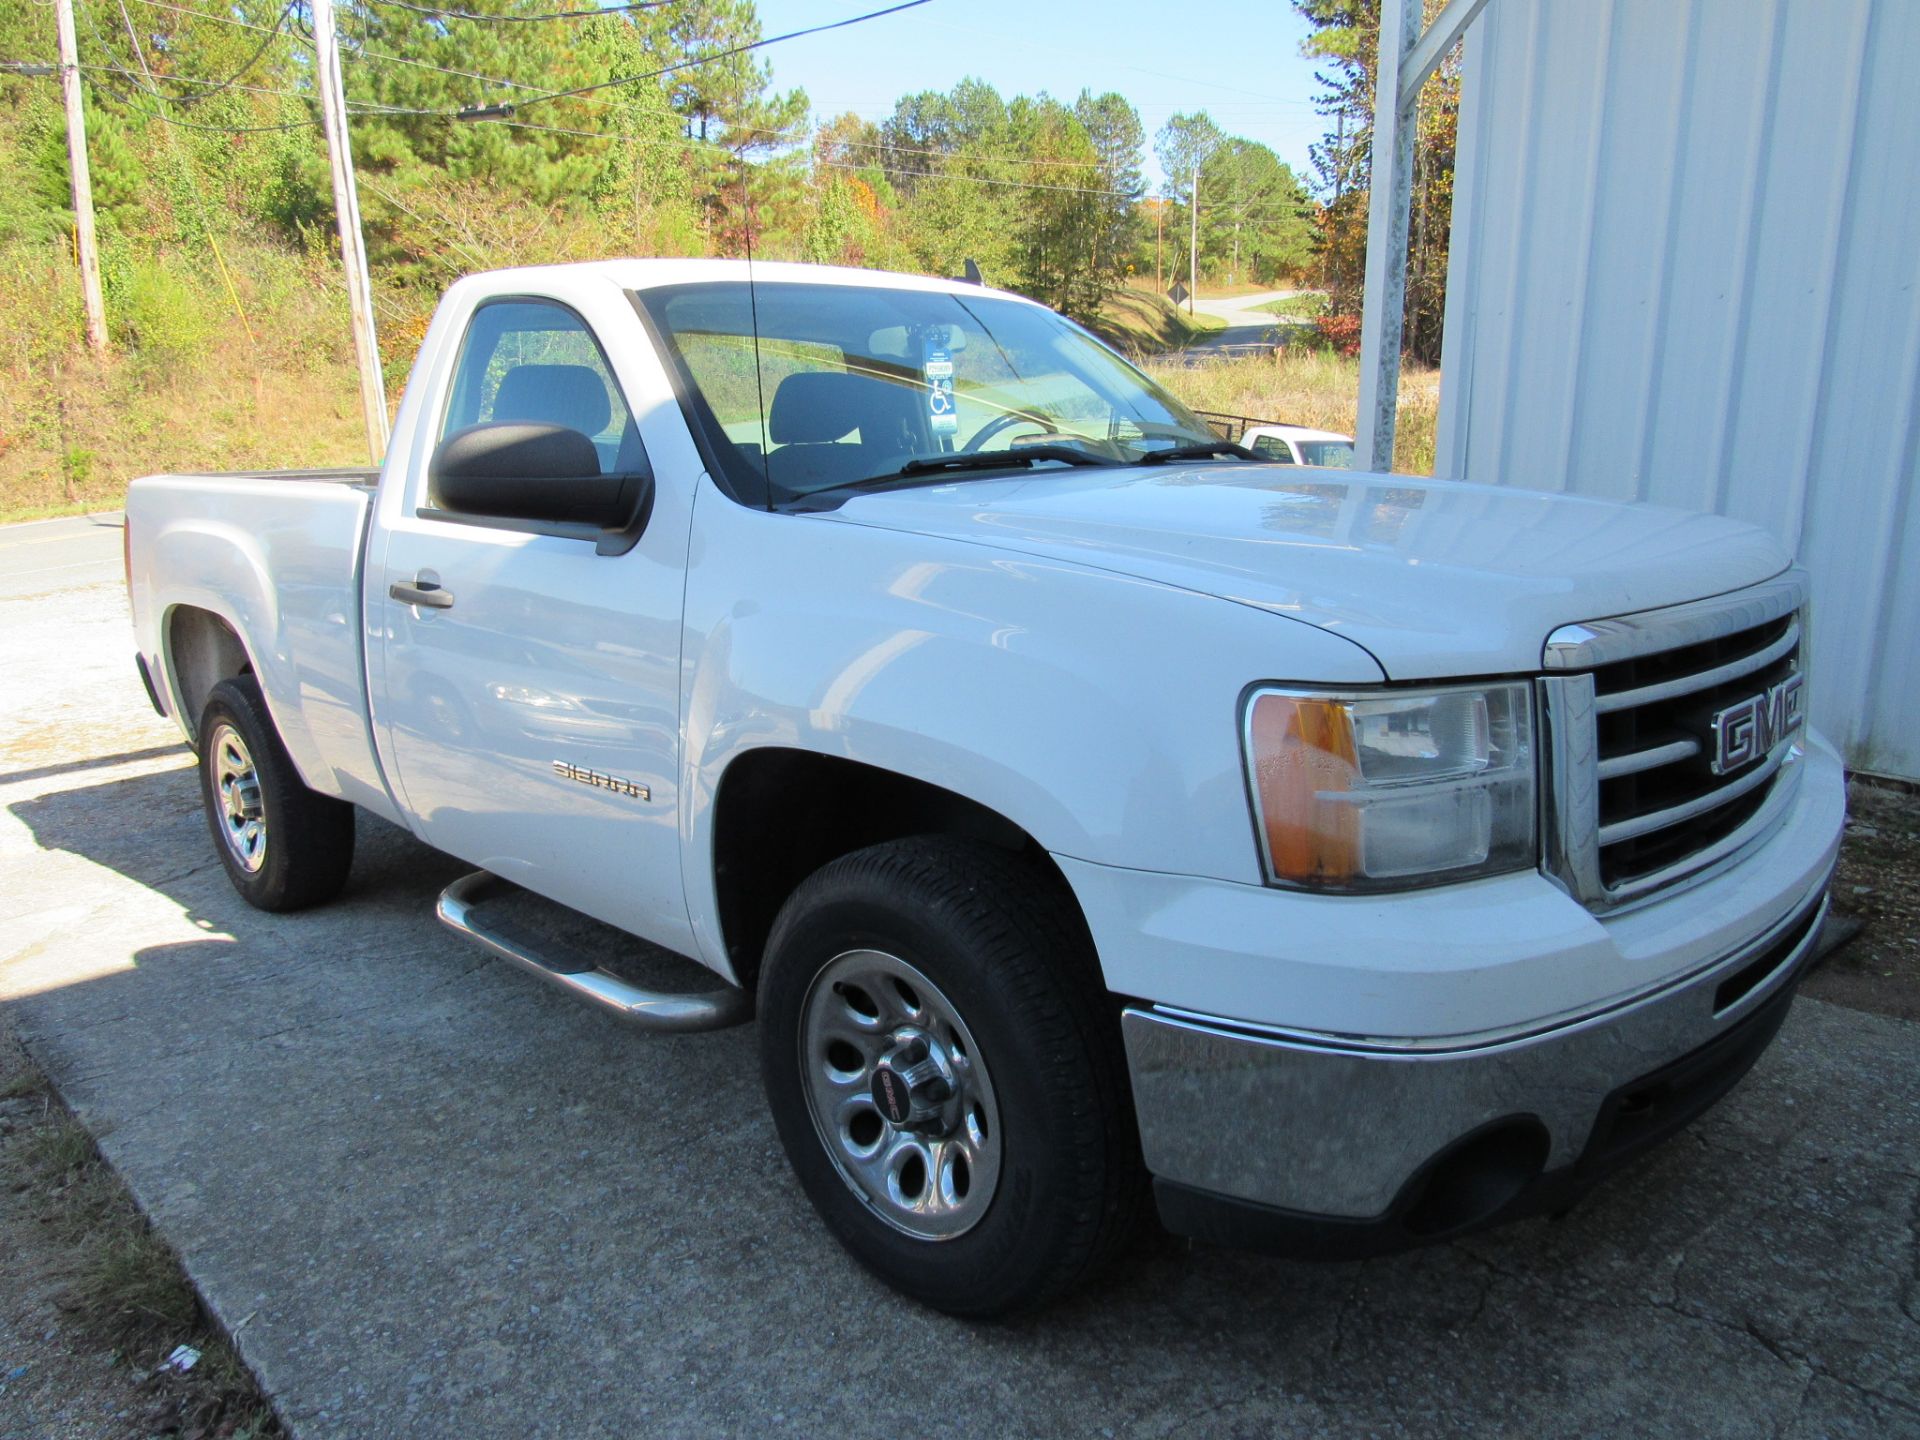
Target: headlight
{"points": [[1392, 790]]}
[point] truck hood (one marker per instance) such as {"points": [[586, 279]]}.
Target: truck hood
{"points": [[1434, 578]]}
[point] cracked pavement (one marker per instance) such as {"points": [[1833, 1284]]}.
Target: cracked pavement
{"points": [[448, 1202]]}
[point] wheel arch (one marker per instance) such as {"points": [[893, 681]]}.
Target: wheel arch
{"points": [[202, 648], [760, 856]]}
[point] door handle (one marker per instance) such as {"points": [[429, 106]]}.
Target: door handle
{"points": [[423, 592]]}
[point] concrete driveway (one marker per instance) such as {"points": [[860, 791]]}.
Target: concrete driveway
{"points": [[434, 1199]]}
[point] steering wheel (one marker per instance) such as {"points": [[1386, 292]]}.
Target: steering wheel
{"points": [[1002, 422]]}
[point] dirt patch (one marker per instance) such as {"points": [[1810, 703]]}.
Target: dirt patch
{"points": [[92, 1302], [1878, 885]]}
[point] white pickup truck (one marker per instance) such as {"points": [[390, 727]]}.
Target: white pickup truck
{"points": [[1090, 813]]}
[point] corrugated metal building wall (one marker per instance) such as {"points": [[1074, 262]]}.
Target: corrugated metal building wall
{"points": [[1685, 251]]}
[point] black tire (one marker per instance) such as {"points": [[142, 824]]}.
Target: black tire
{"points": [[306, 843], [1001, 939]]}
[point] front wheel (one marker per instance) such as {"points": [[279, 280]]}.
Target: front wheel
{"points": [[284, 847], [946, 1075]]}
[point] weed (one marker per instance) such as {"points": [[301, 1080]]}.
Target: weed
{"points": [[123, 1284], [130, 1283], [57, 1152], [76, 468], [1301, 386], [1305, 305]]}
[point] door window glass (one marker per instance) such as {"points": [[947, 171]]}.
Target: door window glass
{"points": [[535, 360]]}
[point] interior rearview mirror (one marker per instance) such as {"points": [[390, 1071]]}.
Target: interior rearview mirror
{"points": [[521, 470]]}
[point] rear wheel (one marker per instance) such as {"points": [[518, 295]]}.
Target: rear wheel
{"points": [[285, 847], [946, 1076]]}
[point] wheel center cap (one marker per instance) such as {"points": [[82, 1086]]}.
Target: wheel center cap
{"points": [[910, 1086]]}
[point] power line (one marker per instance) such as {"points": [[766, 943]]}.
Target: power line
{"points": [[979, 180], [252, 60], [891, 149], [363, 53], [524, 19], [165, 119], [213, 16], [134, 80], [127, 75], [690, 142], [216, 86], [693, 61]]}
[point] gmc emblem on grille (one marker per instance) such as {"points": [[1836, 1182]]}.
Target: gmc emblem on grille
{"points": [[1746, 732]]}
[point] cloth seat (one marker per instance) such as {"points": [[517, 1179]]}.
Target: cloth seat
{"points": [[570, 395], [812, 413]]}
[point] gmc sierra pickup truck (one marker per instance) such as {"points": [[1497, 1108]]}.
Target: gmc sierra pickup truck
{"points": [[1092, 815]]}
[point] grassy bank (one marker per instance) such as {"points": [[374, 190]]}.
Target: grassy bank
{"points": [[1298, 386], [200, 377], [1140, 322], [263, 378], [1307, 305]]}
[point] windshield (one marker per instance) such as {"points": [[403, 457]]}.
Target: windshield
{"points": [[868, 385], [1335, 454]]}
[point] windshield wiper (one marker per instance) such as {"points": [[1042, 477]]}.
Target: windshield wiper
{"points": [[1000, 460], [979, 460], [1199, 450]]}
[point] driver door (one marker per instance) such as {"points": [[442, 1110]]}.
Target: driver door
{"points": [[528, 683]]}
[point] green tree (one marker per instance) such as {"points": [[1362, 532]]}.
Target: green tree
{"points": [[1113, 129], [1255, 216], [1345, 36], [1062, 215]]}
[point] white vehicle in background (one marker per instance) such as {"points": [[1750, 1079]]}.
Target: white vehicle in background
{"points": [[1087, 811], [1298, 445]]}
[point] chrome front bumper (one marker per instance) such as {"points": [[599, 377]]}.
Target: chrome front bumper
{"points": [[1347, 1129]]}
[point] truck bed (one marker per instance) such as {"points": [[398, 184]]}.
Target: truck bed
{"points": [[278, 555], [366, 477]]}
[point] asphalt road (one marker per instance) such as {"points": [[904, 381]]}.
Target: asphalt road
{"points": [[42, 556], [435, 1199], [1249, 329]]}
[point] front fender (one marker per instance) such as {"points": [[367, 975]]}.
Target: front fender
{"points": [[1096, 711]]}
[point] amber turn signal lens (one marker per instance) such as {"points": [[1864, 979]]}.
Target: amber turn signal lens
{"points": [[1303, 749]]}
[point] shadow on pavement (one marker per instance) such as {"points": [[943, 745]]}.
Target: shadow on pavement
{"points": [[452, 1203], [98, 762]]}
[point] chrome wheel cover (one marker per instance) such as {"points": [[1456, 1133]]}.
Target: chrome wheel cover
{"points": [[934, 1179], [241, 816]]}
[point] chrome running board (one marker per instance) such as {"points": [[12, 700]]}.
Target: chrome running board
{"points": [[656, 1010]]}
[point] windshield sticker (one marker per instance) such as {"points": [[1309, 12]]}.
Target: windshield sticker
{"points": [[937, 365]]}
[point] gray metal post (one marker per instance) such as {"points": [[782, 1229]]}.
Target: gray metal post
{"points": [[1406, 59], [1387, 211], [81, 179], [346, 207]]}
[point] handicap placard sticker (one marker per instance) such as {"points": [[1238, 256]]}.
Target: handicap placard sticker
{"points": [[936, 364]]}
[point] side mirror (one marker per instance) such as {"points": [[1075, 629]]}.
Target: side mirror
{"points": [[519, 470]]}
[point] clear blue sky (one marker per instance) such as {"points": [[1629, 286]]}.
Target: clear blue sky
{"points": [[1239, 60]]}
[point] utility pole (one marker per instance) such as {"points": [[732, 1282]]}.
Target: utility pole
{"points": [[1159, 237], [1193, 245], [346, 206], [82, 179]]}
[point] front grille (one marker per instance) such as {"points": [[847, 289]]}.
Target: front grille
{"points": [[1634, 801]]}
